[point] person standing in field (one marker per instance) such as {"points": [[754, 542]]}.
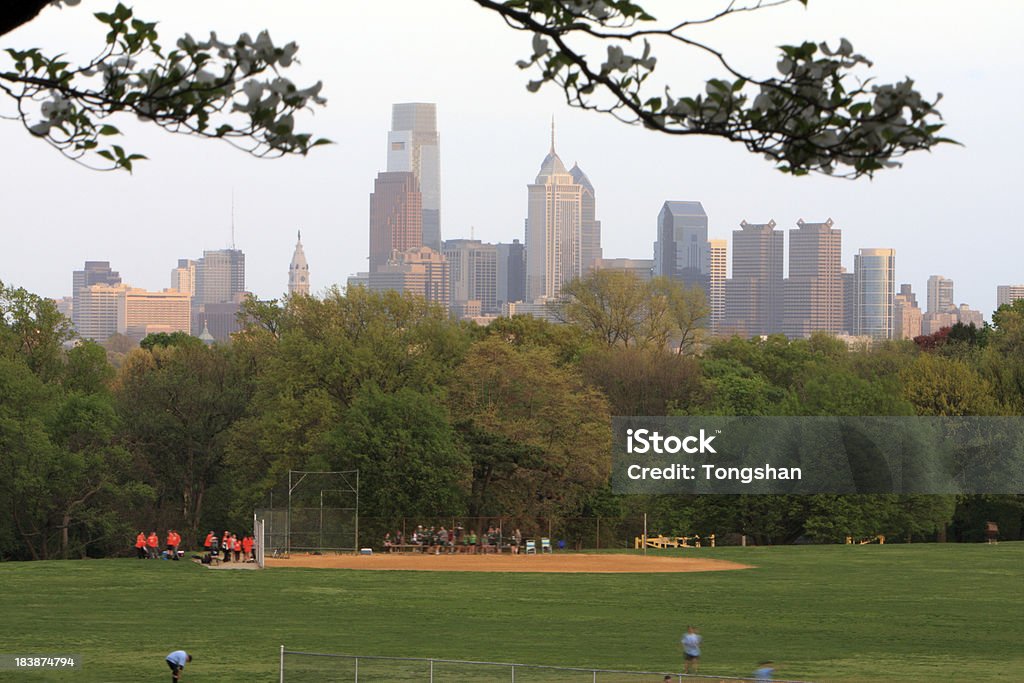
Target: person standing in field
{"points": [[152, 543], [247, 543], [140, 545], [691, 650], [177, 661]]}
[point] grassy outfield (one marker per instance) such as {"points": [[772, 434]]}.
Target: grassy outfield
{"points": [[872, 613]]}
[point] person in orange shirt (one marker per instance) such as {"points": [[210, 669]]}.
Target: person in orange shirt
{"points": [[225, 543], [173, 541], [152, 543], [140, 545], [208, 542], [236, 545], [247, 543]]}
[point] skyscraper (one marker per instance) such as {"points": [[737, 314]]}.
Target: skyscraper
{"points": [[94, 273], [940, 295], [813, 293], [220, 287], [420, 271], [753, 295], [473, 270], [220, 275], [183, 278], [1007, 294], [907, 317], [511, 272], [298, 271], [396, 216], [553, 229], [718, 252], [875, 277], [414, 146], [590, 227], [681, 251]]}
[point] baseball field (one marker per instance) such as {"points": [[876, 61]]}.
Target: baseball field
{"points": [[824, 613]]}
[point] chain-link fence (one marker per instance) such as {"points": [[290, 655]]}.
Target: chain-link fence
{"points": [[300, 667]]}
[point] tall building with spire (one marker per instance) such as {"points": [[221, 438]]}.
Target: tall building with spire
{"points": [[590, 227], [554, 229], [298, 271], [414, 145]]}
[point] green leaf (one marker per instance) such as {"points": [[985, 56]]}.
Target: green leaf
{"points": [[107, 129]]}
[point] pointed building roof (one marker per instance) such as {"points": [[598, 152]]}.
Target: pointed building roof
{"points": [[299, 256], [581, 178], [552, 164]]}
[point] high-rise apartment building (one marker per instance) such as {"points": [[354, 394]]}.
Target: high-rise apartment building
{"points": [[183, 278], [105, 310], [473, 269], [298, 271], [907, 317], [1007, 294], [510, 270], [753, 295], [717, 268], [969, 316], [681, 250], [553, 229], [396, 216], [875, 278], [590, 227], [414, 145], [813, 292], [940, 295], [420, 271], [94, 273]]}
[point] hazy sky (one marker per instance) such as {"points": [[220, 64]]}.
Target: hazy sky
{"points": [[949, 212]]}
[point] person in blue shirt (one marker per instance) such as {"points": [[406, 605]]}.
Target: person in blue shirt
{"points": [[764, 671], [691, 650], [177, 661]]}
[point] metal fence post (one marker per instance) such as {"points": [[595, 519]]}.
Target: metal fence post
{"points": [[431, 671], [357, 669], [281, 667], [513, 673]]}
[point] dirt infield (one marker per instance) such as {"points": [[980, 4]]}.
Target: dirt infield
{"points": [[567, 563]]}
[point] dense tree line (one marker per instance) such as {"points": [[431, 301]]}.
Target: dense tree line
{"points": [[447, 418]]}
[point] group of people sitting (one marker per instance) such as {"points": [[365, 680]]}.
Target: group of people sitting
{"points": [[229, 545], [455, 540], [148, 547]]}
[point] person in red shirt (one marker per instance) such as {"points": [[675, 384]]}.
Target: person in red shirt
{"points": [[247, 543], [236, 545], [225, 543], [152, 543], [209, 541], [140, 545]]}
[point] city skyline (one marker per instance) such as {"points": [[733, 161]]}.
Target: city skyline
{"points": [[488, 152]]}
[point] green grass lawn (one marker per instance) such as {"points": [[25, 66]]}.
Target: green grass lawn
{"points": [[871, 613]]}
